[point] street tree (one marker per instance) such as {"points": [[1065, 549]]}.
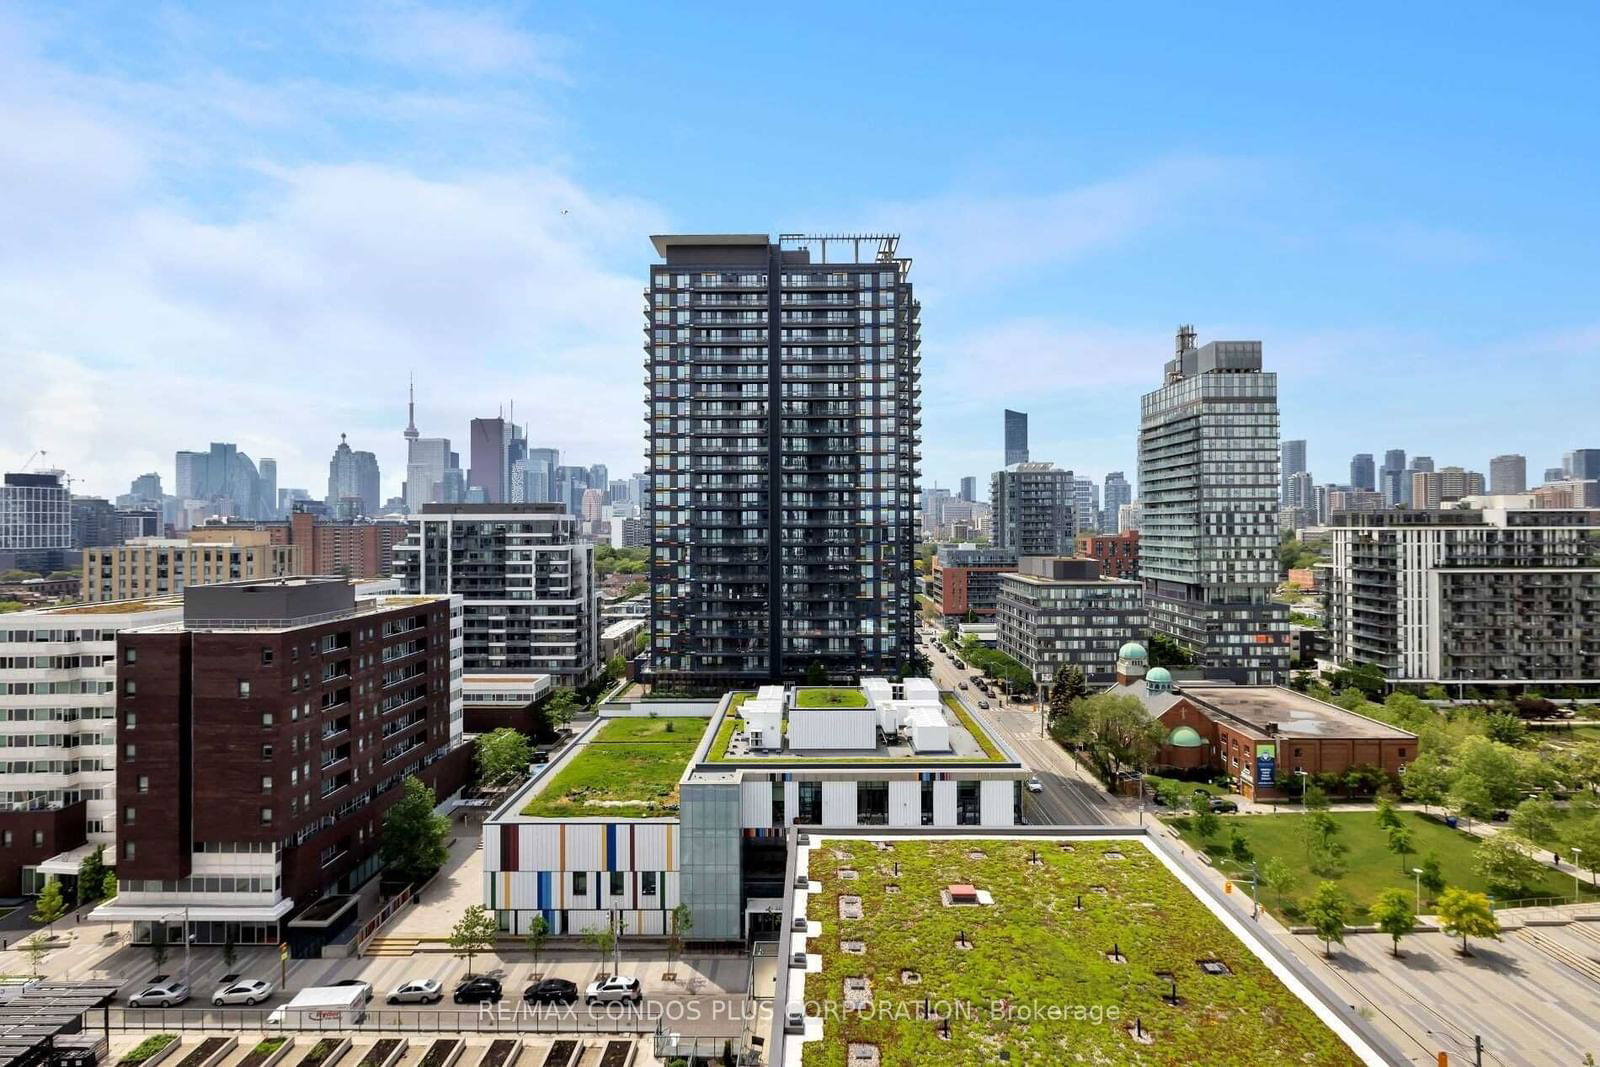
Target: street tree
{"points": [[1280, 878], [411, 842], [35, 948], [1401, 844], [1394, 914], [1206, 823], [1535, 819], [1584, 836], [473, 933], [534, 939], [1432, 877], [91, 875], [1123, 735], [682, 923], [604, 940], [1328, 912], [1239, 846], [1503, 865], [1388, 817], [561, 706], [50, 906], [1469, 796], [1425, 781], [1314, 798], [1495, 765], [503, 756], [1465, 914]]}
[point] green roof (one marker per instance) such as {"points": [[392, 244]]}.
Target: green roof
{"points": [[628, 769]]}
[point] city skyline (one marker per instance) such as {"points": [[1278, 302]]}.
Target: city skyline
{"points": [[270, 153]]}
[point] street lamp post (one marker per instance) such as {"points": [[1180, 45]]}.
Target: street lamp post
{"points": [[1301, 771], [1043, 679], [1418, 872], [1577, 889]]}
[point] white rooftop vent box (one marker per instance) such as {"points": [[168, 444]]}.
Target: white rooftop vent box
{"points": [[798, 959], [799, 924]]}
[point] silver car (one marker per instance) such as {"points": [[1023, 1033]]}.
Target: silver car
{"points": [[251, 991], [417, 991], [162, 994]]}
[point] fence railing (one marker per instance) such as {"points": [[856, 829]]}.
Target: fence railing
{"points": [[509, 1018]]}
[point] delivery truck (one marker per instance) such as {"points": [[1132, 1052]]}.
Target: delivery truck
{"points": [[331, 1007]]}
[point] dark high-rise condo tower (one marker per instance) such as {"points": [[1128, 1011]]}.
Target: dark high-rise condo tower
{"points": [[1208, 478], [1508, 474], [783, 445], [1293, 462], [488, 468], [1362, 473], [1422, 464], [1032, 507], [969, 490], [1394, 459], [1584, 464], [1016, 437]]}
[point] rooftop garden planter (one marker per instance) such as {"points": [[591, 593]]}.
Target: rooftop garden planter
{"points": [[151, 1051]]}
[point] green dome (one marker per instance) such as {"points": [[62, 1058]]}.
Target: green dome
{"points": [[1184, 737], [1158, 676], [1133, 650]]}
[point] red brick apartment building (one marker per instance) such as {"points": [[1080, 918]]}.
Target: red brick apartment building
{"points": [[1118, 553], [260, 741]]}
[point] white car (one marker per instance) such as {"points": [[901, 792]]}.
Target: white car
{"points": [[614, 990], [160, 994], [1034, 785], [251, 991], [417, 991]]}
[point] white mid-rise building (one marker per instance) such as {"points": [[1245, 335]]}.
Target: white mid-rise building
{"points": [[58, 707]]}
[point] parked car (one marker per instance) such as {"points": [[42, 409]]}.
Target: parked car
{"points": [[476, 990], [614, 990], [551, 991], [162, 993], [1034, 785], [964, 685], [416, 991], [251, 991], [1220, 806], [365, 986], [984, 704]]}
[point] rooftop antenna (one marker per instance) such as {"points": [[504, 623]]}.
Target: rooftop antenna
{"points": [[1186, 338]]}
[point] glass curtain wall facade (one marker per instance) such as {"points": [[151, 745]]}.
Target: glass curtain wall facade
{"points": [[784, 428]]}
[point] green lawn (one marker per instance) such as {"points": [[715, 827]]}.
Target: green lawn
{"points": [[630, 770], [1369, 865], [829, 697], [1036, 952]]}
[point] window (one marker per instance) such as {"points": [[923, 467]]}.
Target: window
{"points": [[647, 884], [38, 839], [129, 687], [1297, 753], [619, 883], [580, 883], [143, 784], [266, 718], [266, 815], [1402, 753], [6, 839], [130, 720], [969, 811], [266, 657], [809, 804], [128, 850], [777, 802], [130, 655], [266, 751], [129, 752], [127, 816], [927, 803], [266, 783], [244, 687], [872, 803]]}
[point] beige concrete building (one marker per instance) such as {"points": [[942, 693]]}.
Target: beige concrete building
{"points": [[154, 566]]}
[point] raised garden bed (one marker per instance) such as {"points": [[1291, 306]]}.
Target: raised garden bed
{"points": [[617, 1054], [325, 1052], [151, 1050], [442, 1053], [209, 1052], [561, 1054], [501, 1053], [268, 1051], [384, 1053]]}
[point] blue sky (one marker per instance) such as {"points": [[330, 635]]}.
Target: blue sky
{"points": [[232, 223]]}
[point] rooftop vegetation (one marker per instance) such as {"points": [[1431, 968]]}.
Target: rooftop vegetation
{"points": [[628, 770]]}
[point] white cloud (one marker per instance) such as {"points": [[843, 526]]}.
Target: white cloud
{"points": [[463, 41]]}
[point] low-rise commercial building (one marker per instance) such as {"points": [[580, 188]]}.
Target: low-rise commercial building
{"points": [[713, 837], [153, 566], [1262, 735], [1473, 597], [1058, 612], [965, 578], [262, 736]]}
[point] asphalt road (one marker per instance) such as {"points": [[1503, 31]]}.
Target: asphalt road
{"points": [[1067, 799]]}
